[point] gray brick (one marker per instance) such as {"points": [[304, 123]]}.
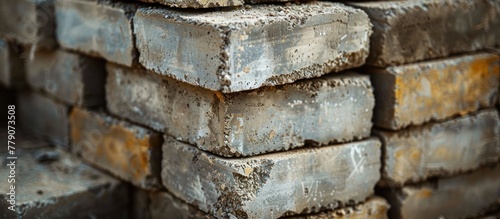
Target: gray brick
{"points": [[272, 185], [410, 31], [414, 94], [50, 183], [100, 28], [159, 205], [244, 49], [334, 108], [442, 148], [71, 78], [43, 117], [128, 151], [28, 22], [462, 196], [11, 65]]}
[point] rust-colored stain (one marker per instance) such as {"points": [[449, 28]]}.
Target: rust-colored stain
{"points": [[446, 90], [219, 95], [113, 147], [406, 160], [424, 193]]}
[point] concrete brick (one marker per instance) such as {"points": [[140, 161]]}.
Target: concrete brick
{"points": [[43, 117], [334, 108], [443, 148], [128, 151], [69, 77], [50, 183], [410, 31], [100, 28], [28, 22], [374, 208], [272, 185], [414, 94], [11, 65], [159, 205], [462, 196], [244, 49]]}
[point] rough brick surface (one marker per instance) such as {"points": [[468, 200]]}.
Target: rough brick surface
{"points": [[245, 49], [373, 208], [414, 94], [443, 148], [272, 185], [128, 151], [11, 65], [158, 205], [99, 28], [50, 183], [334, 108], [29, 22], [43, 117], [410, 31], [69, 77], [462, 196]]}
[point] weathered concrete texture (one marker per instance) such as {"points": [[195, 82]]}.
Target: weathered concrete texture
{"points": [[462, 196], [334, 108], [49, 183], [435, 90], [101, 28], [374, 208], [128, 151], [438, 149], [69, 77], [11, 65], [244, 49], [410, 31], [28, 22], [43, 117], [272, 185], [160, 205]]}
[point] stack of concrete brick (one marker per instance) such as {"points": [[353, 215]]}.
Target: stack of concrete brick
{"points": [[435, 97], [207, 116], [193, 119]]}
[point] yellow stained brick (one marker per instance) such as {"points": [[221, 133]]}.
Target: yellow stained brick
{"points": [[435, 90], [123, 149]]}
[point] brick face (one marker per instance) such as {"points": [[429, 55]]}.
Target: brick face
{"points": [[417, 93], [441, 148], [128, 151], [68, 77], [461, 196], [411, 31], [97, 28], [28, 22], [44, 118], [268, 186], [228, 52], [334, 108]]}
